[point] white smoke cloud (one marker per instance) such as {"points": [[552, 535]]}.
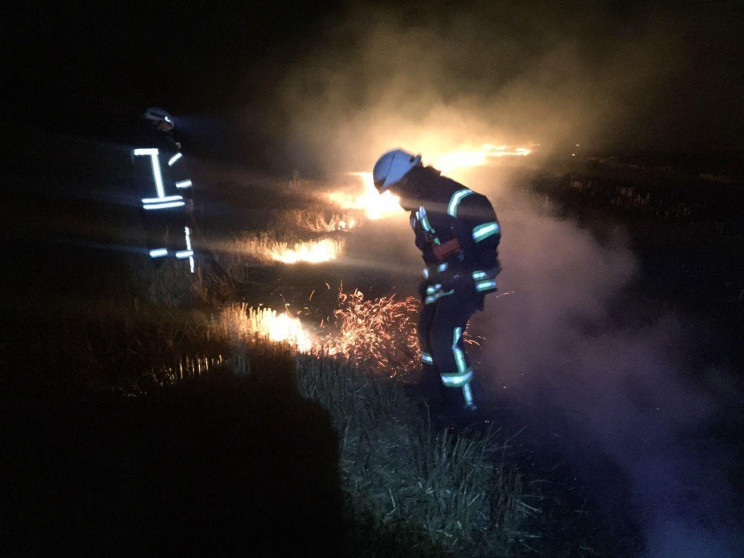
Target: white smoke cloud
{"points": [[560, 344]]}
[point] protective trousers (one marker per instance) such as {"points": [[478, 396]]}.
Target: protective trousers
{"points": [[441, 327], [168, 234]]}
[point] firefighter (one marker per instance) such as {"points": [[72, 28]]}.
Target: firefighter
{"points": [[167, 194], [458, 233]]}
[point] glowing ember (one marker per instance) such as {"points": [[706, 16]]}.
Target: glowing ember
{"points": [[311, 252], [377, 334], [369, 200], [478, 157]]}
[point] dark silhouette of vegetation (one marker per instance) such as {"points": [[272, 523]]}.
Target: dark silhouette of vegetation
{"points": [[206, 466]]}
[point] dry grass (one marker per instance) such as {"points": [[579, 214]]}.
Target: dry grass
{"points": [[445, 495], [378, 334], [319, 221], [407, 492]]}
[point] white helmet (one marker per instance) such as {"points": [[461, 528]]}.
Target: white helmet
{"points": [[393, 166], [158, 115]]}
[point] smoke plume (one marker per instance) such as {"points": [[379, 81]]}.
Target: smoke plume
{"points": [[433, 78]]}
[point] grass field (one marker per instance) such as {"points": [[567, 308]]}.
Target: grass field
{"points": [[147, 411]]}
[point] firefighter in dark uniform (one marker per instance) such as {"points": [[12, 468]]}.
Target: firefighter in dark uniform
{"points": [[167, 194], [458, 233]]}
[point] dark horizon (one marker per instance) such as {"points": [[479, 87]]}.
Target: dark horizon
{"points": [[284, 82]]}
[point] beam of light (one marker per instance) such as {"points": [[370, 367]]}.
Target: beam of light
{"points": [[367, 199], [311, 252]]}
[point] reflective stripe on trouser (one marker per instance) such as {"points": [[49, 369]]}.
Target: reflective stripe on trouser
{"points": [[441, 326], [168, 235]]}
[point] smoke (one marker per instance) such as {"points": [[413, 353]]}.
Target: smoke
{"points": [[577, 354], [579, 358], [570, 340], [435, 79]]}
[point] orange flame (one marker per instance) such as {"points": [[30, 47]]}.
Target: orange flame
{"points": [[264, 248], [378, 334], [239, 322], [380, 206], [312, 252], [478, 157], [284, 328], [369, 200]]}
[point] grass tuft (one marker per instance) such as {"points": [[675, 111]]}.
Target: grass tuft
{"points": [[445, 494]]}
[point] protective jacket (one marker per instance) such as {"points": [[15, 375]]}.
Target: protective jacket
{"points": [[162, 177], [165, 193], [457, 232]]}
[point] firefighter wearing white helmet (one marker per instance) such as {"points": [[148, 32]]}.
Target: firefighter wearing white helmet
{"points": [[392, 166], [166, 194], [458, 234], [161, 119]]}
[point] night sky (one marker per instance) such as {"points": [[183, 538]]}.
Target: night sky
{"points": [[293, 79]]}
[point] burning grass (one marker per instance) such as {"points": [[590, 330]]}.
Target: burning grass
{"points": [[238, 323], [317, 251], [264, 248], [378, 334], [483, 155], [405, 492], [365, 197], [321, 222]]}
